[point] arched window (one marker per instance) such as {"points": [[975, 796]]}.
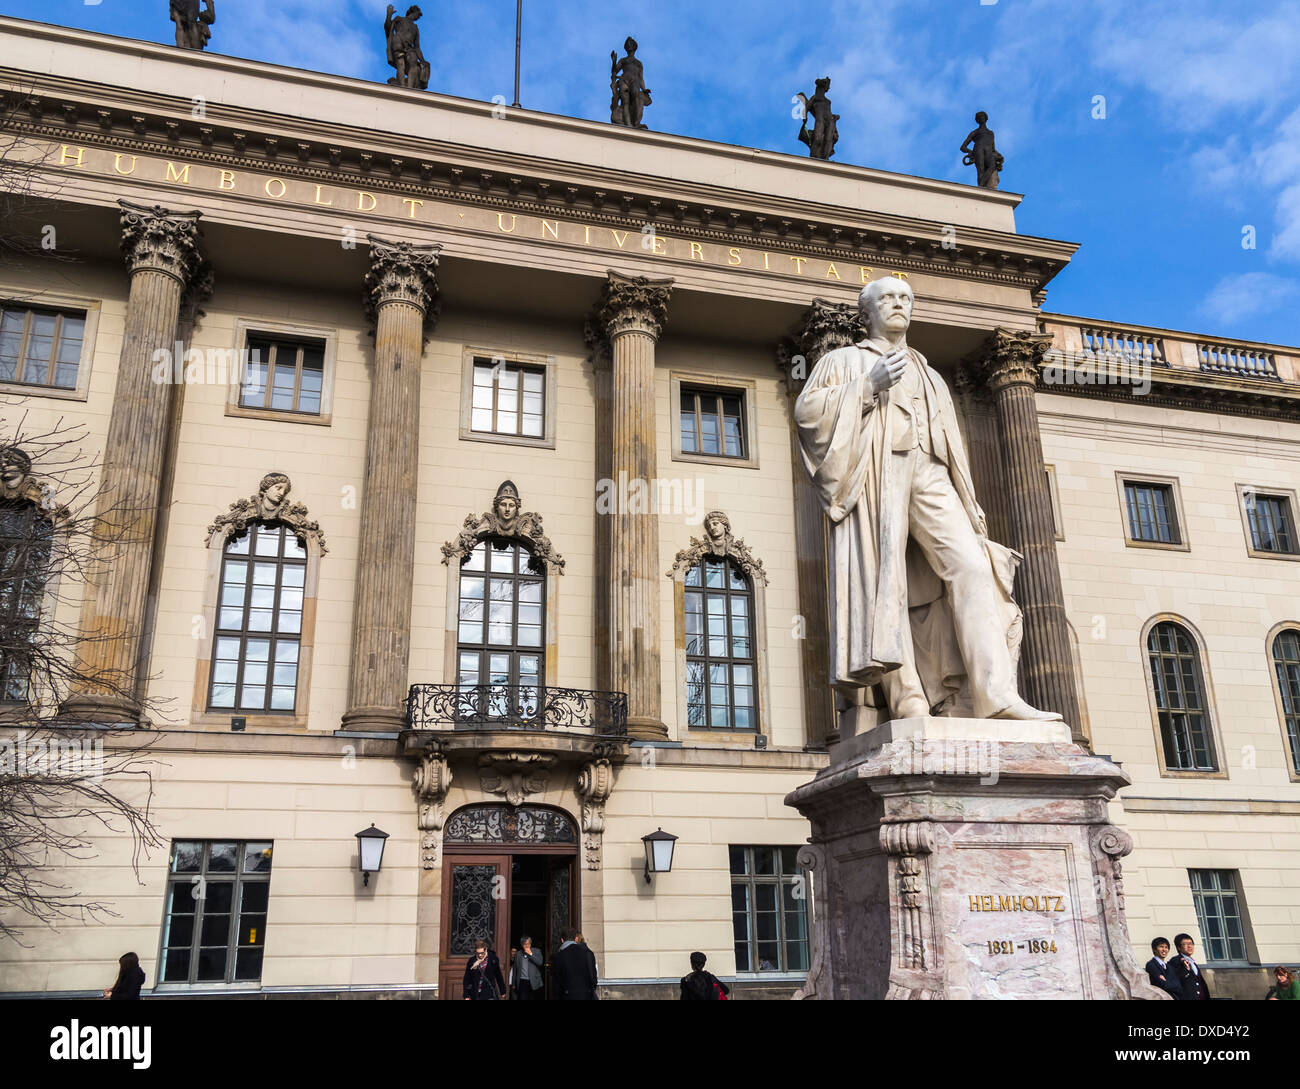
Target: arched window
{"points": [[1286, 663], [721, 688], [1181, 703], [26, 536], [258, 634], [501, 639]]}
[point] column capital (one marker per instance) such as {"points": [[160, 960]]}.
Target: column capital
{"points": [[1009, 357], [402, 272], [632, 304], [160, 240]]}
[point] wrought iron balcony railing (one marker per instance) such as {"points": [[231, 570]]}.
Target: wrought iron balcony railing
{"points": [[515, 707]]}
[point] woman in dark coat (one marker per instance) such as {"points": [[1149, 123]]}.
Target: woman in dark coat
{"points": [[483, 981], [130, 978], [702, 986]]}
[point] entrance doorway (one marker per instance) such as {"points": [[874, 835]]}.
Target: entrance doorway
{"points": [[507, 872]]}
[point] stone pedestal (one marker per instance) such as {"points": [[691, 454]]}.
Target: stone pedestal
{"points": [[964, 858]]}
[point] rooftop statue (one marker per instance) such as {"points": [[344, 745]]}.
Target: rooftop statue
{"points": [[192, 24], [627, 83], [825, 133], [404, 49], [921, 598], [979, 152]]}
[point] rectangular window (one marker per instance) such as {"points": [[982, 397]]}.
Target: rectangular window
{"points": [[214, 927], [713, 422], [1218, 912], [1151, 512], [1272, 527], [508, 399], [769, 909], [284, 375], [41, 347]]}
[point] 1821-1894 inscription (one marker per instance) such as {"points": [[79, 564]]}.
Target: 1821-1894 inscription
{"points": [[1036, 903]]}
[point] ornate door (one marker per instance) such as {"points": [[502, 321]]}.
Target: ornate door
{"points": [[475, 904]]}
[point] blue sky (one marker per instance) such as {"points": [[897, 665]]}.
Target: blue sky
{"points": [[1153, 132]]}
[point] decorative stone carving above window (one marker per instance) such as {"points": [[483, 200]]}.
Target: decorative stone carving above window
{"points": [[515, 775], [270, 504], [718, 541], [505, 519]]}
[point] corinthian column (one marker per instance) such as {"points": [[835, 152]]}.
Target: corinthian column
{"points": [[1007, 366], [631, 315], [826, 326], [162, 255], [401, 300]]}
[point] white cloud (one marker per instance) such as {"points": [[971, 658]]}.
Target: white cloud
{"points": [[1249, 295]]}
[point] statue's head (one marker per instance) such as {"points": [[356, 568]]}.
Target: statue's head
{"points": [[886, 305], [506, 503], [414, 12], [981, 118], [274, 489], [717, 525], [630, 46], [823, 85], [15, 467]]}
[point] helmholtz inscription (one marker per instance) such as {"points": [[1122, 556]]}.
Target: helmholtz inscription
{"points": [[1031, 902]]}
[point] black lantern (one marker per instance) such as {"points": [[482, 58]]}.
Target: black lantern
{"points": [[658, 852], [370, 846]]}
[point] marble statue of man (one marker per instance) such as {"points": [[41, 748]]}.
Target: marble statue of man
{"points": [[921, 599]]}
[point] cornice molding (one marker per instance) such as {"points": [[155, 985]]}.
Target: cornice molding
{"points": [[524, 185]]}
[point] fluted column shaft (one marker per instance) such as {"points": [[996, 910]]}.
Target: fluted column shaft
{"points": [[825, 326], [401, 294], [632, 313], [1009, 367], [161, 252]]}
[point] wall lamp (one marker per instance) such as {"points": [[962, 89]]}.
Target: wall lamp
{"points": [[658, 852], [370, 846]]}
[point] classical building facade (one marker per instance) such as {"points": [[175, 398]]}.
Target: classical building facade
{"points": [[468, 506]]}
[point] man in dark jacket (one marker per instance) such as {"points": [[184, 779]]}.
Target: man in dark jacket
{"points": [[1187, 972], [1159, 971], [573, 969]]}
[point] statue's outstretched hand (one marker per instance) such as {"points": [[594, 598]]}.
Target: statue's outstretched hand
{"points": [[887, 371]]}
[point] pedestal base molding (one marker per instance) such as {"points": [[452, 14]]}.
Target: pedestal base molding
{"points": [[949, 865]]}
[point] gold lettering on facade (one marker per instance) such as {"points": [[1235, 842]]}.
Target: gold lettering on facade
{"points": [[586, 237], [275, 181], [799, 263], [551, 227], [767, 267], [66, 153], [1029, 903], [227, 180], [323, 203], [697, 252], [501, 223], [362, 197], [182, 177], [659, 247], [733, 256], [865, 273], [620, 241], [414, 205], [832, 272], [117, 164]]}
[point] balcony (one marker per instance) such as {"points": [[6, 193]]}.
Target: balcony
{"points": [[516, 707], [510, 725]]}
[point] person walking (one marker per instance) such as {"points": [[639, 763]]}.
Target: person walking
{"points": [[130, 978], [1159, 972], [527, 971], [702, 986], [483, 982], [1187, 972], [573, 969], [1287, 987]]}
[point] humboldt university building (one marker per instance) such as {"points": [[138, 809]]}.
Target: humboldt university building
{"points": [[467, 505]]}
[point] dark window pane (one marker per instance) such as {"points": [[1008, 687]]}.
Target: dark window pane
{"points": [[248, 965], [212, 965], [176, 966]]}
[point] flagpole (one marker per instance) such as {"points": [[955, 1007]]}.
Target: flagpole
{"points": [[519, 26]]}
